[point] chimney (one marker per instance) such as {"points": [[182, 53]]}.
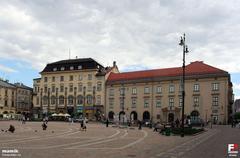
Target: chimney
{"points": [[114, 63]]}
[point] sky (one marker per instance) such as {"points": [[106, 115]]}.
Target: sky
{"points": [[137, 34]]}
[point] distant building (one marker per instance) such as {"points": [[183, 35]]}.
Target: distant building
{"points": [[236, 106], [15, 98], [156, 94], [23, 98], [72, 86], [7, 98]]}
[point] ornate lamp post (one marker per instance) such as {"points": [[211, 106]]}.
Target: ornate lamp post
{"points": [[185, 50]]}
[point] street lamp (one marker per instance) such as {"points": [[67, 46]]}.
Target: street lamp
{"points": [[84, 100], [185, 50]]}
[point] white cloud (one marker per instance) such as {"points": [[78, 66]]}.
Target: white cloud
{"points": [[7, 69], [236, 86], [139, 32]]}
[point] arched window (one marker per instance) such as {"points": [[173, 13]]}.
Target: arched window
{"points": [[45, 100], [80, 100], [89, 99], [61, 100], [70, 100], [53, 100]]}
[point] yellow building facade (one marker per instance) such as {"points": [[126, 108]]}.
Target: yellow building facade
{"points": [[73, 86]]}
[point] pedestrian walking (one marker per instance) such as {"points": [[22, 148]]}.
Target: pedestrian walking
{"points": [[81, 124], [84, 125], [177, 123], [107, 122], [139, 125]]}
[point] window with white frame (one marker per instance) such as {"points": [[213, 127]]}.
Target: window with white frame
{"points": [[80, 87], [89, 86], [180, 102], [146, 103], [171, 102], [98, 100], [111, 103], [196, 88], [71, 88], [111, 92], [171, 88], [215, 100], [79, 67], [158, 103], [215, 86], [159, 89], [99, 86], [134, 102], [62, 68], [134, 90], [196, 101], [71, 78], [89, 76], [146, 90], [71, 68]]}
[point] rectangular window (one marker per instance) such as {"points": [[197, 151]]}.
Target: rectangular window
{"points": [[61, 88], [215, 86], [146, 90], [121, 104], [122, 91], [89, 87], [111, 103], [89, 76], [180, 102], [53, 79], [196, 101], [158, 116], [146, 103], [215, 101], [61, 78], [99, 86], [171, 88], [37, 100], [6, 103], [134, 102], [45, 89], [171, 102], [196, 87], [159, 89], [45, 79], [111, 92], [80, 87], [158, 103], [71, 88], [53, 88], [71, 78], [134, 91], [99, 100], [80, 77]]}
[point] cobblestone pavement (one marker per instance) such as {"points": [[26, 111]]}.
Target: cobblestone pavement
{"points": [[63, 140]]}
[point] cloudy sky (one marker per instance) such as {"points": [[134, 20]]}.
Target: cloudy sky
{"points": [[138, 34]]}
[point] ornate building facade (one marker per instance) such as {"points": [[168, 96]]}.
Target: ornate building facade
{"points": [[73, 86]]}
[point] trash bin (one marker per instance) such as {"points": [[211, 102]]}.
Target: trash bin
{"points": [[168, 131]]}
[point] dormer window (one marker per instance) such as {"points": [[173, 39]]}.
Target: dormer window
{"points": [[71, 68], [79, 67], [62, 68], [55, 69]]}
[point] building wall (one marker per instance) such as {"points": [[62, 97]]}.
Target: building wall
{"points": [[9, 97], [98, 95], [160, 113], [23, 100]]}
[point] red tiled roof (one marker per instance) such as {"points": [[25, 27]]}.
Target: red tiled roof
{"points": [[194, 68]]}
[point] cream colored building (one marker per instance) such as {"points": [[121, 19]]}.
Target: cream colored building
{"points": [[23, 98], [157, 94], [7, 98], [72, 86]]}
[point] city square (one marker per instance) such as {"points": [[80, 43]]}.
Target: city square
{"points": [[63, 139]]}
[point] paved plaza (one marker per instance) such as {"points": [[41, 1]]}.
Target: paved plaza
{"points": [[64, 140]]}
